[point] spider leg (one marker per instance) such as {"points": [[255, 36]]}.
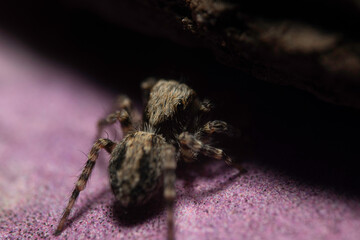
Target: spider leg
{"points": [[121, 103], [192, 147], [210, 128], [108, 145], [122, 116], [169, 159], [205, 106], [146, 87]]}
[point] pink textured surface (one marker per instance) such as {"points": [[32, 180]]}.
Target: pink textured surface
{"points": [[47, 121]]}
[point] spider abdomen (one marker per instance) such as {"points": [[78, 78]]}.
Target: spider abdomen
{"points": [[135, 168]]}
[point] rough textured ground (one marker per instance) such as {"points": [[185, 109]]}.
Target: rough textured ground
{"points": [[47, 122]]}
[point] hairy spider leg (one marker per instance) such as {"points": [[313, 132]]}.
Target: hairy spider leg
{"points": [[192, 147], [206, 132], [121, 103], [206, 106], [106, 144], [146, 87], [122, 116], [169, 161]]}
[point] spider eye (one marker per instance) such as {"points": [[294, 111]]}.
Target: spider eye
{"points": [[180, 106]]}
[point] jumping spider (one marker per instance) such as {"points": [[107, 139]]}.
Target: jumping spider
{"points": [[145, 160]]}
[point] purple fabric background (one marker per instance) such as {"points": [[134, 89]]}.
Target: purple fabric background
{"points": [[47, 123]]}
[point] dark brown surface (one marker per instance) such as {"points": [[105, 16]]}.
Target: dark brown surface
{"points": [[312, 46]]}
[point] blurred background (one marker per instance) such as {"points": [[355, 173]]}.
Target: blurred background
{"points": [[288, 77], [307, 107]]}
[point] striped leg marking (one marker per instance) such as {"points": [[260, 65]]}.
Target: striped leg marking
{"points": [[189, 143], [169, 188], [108, 145], [122, 116], [211, 128]]}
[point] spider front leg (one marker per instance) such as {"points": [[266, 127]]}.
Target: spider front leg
{"points": [[122, 116], [108, 145], [206, 132], [169, 158], [146, 87], [205, 106], [121, 104], [192, 147]]}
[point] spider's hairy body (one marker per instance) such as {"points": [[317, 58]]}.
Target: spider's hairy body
{"points": [[167, 99], [170, 107], [145, 161], [135, 168]]}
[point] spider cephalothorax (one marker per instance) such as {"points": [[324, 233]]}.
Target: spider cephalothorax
{"points": [[145, 160]]}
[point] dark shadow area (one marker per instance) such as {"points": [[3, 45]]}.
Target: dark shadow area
{"points": [[290, 130], [137, 215], [282, 127], [328, 14], [205, 168], [112, 56], [187, 172]]}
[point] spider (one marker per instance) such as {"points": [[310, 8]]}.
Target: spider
{"points": [[144, 162]]}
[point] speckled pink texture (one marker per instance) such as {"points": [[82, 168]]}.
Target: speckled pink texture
{"points": [[47, 123]]}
